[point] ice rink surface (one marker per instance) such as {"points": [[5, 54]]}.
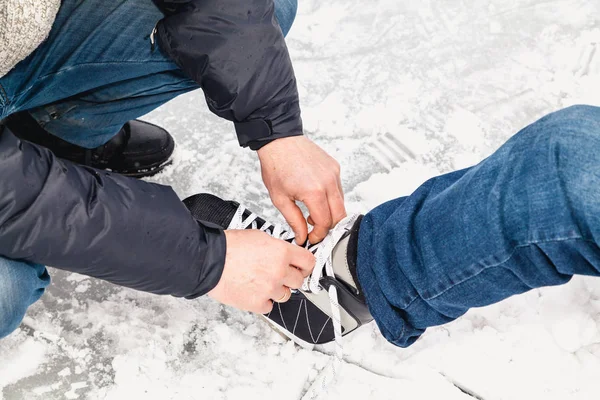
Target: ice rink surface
{"points": [[397, 91]]}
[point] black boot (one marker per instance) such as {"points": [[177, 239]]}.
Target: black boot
{"points": [[139, 149]]}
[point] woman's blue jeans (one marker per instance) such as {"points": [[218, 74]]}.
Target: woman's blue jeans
{"points": [[527, 216], [95, 72]]}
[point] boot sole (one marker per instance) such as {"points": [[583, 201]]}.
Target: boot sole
{"points": [[145, 173]]}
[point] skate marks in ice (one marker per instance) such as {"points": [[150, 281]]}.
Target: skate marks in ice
{"points": [[379, 154], [588, 61], [377, 68], [391, 165], [389, 151]]}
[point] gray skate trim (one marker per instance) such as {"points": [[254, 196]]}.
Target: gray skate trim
{"points": [[340, 262]]}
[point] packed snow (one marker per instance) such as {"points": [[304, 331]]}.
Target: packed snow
{"points": [[397, 91]]}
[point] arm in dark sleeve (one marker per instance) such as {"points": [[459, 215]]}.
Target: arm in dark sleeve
{"points": [[128, 232], [237, 53]]}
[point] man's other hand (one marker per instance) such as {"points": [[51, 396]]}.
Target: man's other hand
{"points": [[295, 168], [259, 269]]}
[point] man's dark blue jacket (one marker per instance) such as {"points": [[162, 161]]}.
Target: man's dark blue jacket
{"points": [[138, 234]]}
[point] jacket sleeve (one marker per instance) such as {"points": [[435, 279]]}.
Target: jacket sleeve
{"points": [[128, 232], [236, 52]]}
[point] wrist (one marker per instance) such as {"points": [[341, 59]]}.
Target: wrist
{"points": [[265, 146], [275, 144]]}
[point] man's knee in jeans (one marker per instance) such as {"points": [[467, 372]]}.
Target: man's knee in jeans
{"points": [[21, 284]]}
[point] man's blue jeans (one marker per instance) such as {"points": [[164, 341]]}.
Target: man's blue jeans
{"points": [[95, 72], [527, 216]]}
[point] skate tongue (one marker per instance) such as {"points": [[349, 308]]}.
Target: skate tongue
{"points": [[206, 207]]}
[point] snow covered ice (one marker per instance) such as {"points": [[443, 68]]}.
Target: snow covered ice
{"points": [[397, 91]]}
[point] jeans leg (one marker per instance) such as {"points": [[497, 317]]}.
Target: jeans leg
{"points": [[527, 216], [97, 70], [21, 285]]}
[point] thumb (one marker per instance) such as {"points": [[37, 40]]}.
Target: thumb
{"points": [[294, 217]]}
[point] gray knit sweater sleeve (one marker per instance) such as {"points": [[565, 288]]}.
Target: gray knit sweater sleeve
{"points": [[24, 25]]}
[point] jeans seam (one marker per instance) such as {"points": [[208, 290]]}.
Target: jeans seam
{"points": [[510, 255], [410, 302]]}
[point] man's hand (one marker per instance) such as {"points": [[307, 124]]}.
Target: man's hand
{"points": [[260, 269], [295, 168]]}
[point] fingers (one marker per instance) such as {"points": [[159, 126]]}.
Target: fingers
{"points": [[340, 187], [336, 206], [327, 208], [260, 269], [293, 215], [302, 259], [320, 214], [293, 278], [339, 183], [335, 197]]}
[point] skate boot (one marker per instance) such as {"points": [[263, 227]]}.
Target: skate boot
{"points": [[309, 316]]}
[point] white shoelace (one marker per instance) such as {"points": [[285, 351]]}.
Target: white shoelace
{"points": [[323, 254]]}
